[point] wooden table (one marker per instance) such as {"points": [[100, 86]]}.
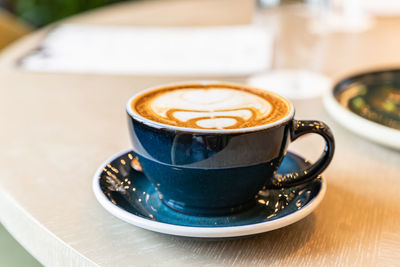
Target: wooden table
{"points": [[57, 129]]}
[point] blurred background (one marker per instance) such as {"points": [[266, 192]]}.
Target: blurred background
{"points": [[38, 13], [18, 17]]}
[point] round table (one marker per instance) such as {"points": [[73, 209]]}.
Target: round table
{"points": [[57, 128]]}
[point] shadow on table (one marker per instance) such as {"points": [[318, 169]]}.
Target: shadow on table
{"points": [[269, 246]]}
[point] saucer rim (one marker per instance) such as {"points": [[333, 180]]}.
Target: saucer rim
{"points": [[359, 125], [201, 232]]}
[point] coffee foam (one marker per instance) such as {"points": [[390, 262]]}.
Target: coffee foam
{"points": [[211, 107]]}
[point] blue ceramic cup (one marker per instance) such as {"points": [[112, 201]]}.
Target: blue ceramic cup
{"points": [[216, 172]]}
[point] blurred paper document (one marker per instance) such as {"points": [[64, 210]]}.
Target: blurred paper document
{"points": [[233, 50]]}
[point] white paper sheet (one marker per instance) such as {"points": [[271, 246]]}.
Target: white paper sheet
{"points": [[233, 50]]}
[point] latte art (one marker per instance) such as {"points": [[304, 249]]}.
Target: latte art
{"points": [[214, 108], [211, 106]]}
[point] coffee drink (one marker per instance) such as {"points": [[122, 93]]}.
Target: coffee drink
{"points": [[211, 106], [210, 147]]}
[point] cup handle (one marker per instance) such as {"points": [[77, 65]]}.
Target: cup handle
{"points": [[298, 129]]}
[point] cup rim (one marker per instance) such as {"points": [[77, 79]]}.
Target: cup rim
{"points": [[159, 125]]}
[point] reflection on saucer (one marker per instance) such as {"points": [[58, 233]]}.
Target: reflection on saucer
{"points": [[128, 194]]}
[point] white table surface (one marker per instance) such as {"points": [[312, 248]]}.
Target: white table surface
{"points": [[57, 129]]}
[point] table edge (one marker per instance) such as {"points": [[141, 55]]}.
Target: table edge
{"points": [[40, 242]]}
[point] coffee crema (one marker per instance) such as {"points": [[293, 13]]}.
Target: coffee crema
{"points": [[211, 106]]}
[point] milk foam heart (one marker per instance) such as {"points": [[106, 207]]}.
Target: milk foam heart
{"points": [[211, 106], [223, 107]]}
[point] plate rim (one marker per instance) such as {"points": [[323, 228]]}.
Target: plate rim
{"points": [[201, 232], [359, 125]]}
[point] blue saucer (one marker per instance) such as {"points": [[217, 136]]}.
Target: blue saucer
{"points": [[128, 194]]}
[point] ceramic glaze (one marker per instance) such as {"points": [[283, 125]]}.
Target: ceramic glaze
{"points": [[129, 195], [213, 174], [220, 172]]}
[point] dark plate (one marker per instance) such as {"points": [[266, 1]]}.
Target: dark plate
{"points": [[374, 96]]}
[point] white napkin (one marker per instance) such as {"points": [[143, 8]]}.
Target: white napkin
{"points": [[232, 50]]}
